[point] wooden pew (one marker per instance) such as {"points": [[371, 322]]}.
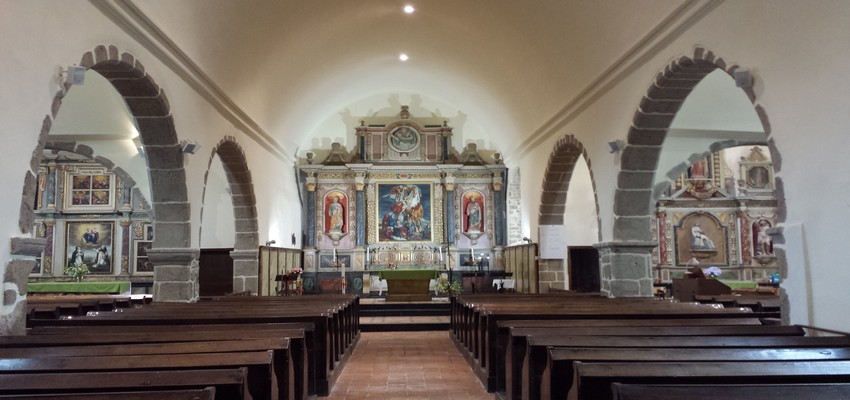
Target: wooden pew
{"points": [[526, 357], [556, 380], [178, 394], [281, 364], [334, 319], [260, 378], [301, 338], [819, 391], [229, 383], [593, 381]]}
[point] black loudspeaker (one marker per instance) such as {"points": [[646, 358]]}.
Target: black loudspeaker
{"points": [[743, 78]]}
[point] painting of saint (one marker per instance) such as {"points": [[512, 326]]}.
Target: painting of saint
{"points": [[80, 197], [89, 243], [404, 212], [699, 240], [81, 182], [758, 177], [335, 205], [100, 181], [473, 208], [699, 170], [143, 263]]}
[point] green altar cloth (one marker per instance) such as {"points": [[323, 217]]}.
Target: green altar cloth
{"points": [[740, 284], [79, 287], [408, 274]]}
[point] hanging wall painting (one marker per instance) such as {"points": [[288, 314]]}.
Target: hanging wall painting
{"points": [[336, 210], [404, 212], [143, 264], [90, 243], [473, 211]]}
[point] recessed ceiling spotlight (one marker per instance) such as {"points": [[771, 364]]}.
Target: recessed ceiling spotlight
{"points": [[409, 9], [403, 57]]}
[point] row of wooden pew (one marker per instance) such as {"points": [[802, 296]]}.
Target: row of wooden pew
{"points": [[587, 347], [242, 347]]}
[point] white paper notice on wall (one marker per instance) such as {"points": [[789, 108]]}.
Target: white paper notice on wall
{"points": [[553, 242]]}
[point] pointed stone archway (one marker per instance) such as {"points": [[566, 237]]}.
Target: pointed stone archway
{"points": [[246, 248], [626, 261], [553, 200]]}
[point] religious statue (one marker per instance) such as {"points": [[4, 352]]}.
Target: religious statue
{"points": [[473, 216], [336, 213], [699, 240], [764, 244]]}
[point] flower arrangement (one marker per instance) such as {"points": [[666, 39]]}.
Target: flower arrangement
{"points": [[77, 271], [450, 288], [391, 266]]}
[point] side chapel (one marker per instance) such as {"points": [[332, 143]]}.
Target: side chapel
{"points": [[401, 199]]}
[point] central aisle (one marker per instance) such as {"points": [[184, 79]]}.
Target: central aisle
{"points": [[407, 365]]}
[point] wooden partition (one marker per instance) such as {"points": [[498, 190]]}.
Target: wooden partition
{"points": [[276, 261], [521, 260]]}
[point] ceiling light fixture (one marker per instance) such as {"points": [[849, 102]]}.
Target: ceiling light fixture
{"points": [[403, 57], [409, 9]]}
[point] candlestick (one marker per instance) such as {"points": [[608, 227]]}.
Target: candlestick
{"points": [[334, 255]]}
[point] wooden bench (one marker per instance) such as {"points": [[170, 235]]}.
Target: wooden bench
{"points": [[300, 335], [527, 350], [593, 381], [557, 378], [333, 318], [819, 391], [228, 382], [184, 394]]}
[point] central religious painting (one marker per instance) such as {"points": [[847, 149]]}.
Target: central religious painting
{"points": [[404, 212]]}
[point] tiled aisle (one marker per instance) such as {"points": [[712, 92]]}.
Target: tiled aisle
{"points": [[407, 365]]}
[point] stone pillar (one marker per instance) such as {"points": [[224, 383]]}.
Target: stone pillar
{"points": [[245, 271], [310, 223], [175, 276], [626, 268], [13, 318]]}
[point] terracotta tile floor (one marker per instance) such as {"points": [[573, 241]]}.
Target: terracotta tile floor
{"points": [[407, 365], [439, 319]]}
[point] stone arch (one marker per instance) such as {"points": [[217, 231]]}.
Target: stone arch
{"points": [[245, 253], [556, 181], [553, 201], [629, 268]]}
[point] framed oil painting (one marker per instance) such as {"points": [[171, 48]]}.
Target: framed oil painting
{"points": [[89, 189], [90, 243], [404, 212], [326, 261], [143, 265]]}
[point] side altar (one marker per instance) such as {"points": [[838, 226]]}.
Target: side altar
{"points": [[401, 195]]}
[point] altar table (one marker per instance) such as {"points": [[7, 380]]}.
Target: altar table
{"points": [[408, 284], [79, 287]]}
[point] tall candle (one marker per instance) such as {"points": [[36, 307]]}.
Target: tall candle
{"points": [[367, 256], [334, 255], [472, 253]]}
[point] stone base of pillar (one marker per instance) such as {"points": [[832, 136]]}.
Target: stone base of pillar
{"points": [[175, 275], [13, 313], [626, 268], [246, 271]]}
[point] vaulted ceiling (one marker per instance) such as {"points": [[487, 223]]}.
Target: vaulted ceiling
{"points": [[302, 69]]}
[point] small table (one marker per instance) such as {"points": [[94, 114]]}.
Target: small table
{"points": [[408, 284], [79, 287]]}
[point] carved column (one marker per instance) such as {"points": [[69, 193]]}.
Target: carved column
{"points": [[125, 247], [626, 268], [359, 185], [41, 198], [47, 257], [311, 212], [175, 274], [361, 141], [499, 209], [450, 211], [447, 140], [50, 190]]}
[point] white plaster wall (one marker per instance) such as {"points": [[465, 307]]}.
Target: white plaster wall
{"points": [[797, 52], [39, 36], [217, 224]]}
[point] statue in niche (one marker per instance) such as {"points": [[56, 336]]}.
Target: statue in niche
{"points": [[699, 240], [335, 213], [473, 214], [764, 244]]}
